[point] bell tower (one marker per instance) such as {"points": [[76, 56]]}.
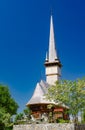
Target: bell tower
{"points": [[52, 62]]}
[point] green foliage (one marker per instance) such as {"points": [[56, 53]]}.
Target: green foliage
{"points": [[8, 107], [27, 111], [18, 117], [83, 116], [62, 121], [6, 101], [23, 117], [70, 93], [5, 119]]}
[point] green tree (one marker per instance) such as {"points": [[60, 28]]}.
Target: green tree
{"points": [[8, 106], [69, 93], [23, 115], [18, 117], [27, 111], [83, 116]]}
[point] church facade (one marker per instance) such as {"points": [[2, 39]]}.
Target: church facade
{"points": [[38, 103]]}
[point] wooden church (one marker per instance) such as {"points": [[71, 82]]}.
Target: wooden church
{"points": [[38, 103]]}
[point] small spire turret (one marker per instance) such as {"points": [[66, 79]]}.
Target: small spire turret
{"points": [[46, 57]]}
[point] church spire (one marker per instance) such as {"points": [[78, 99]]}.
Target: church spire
{"points": [[52, 50], [52, 63]]}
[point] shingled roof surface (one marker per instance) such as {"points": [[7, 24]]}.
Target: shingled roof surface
{"points": [[39, 94]]}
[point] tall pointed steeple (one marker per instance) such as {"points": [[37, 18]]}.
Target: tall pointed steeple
{"points": [[52, 63], [52, 50]]}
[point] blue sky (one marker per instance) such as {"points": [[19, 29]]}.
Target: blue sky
{"points": [[24, 38]]}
